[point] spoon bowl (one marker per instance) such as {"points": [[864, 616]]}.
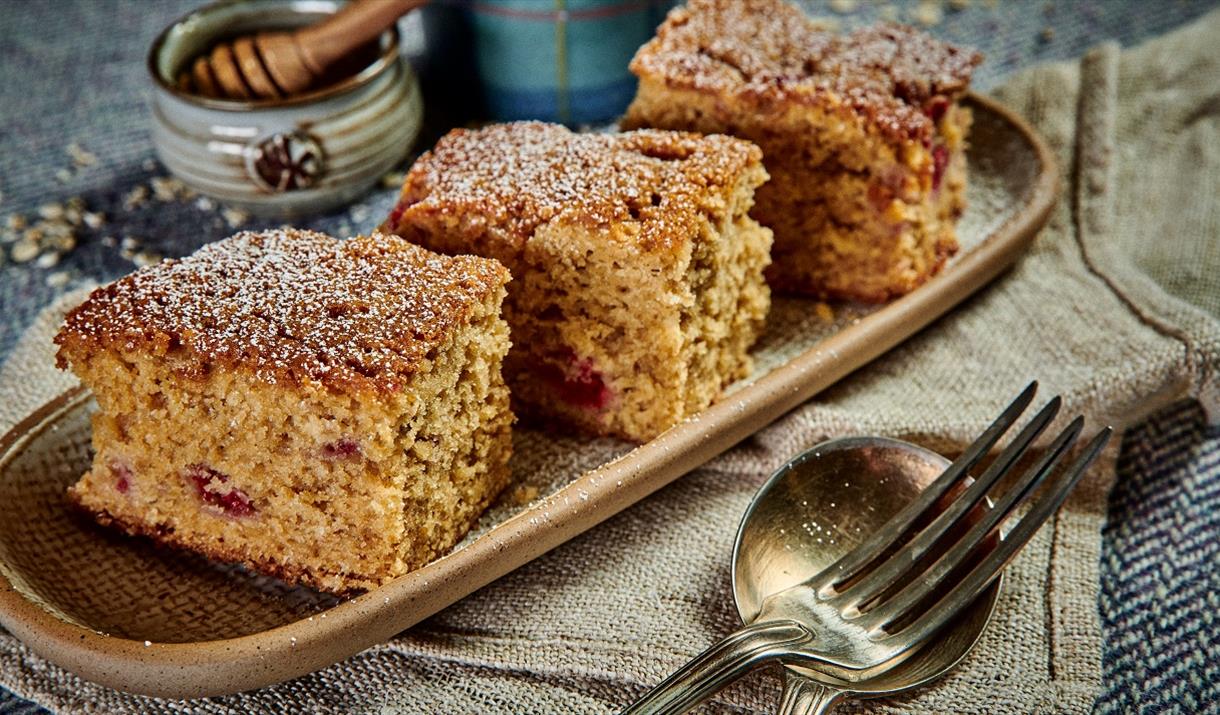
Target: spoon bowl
{"points": [[813, 511]]}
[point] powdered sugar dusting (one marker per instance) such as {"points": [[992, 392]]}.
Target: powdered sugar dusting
{"points": [[768, 50], [517, 176], [288, 305]]}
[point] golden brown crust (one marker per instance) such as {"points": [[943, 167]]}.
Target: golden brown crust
{"points": [[768, 51], [288, 306], [515, 177]]}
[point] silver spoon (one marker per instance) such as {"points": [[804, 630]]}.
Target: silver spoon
{"points": [[824, 504], [904, 579]]}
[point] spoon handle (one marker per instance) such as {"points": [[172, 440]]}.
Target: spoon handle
{"points": [[716, 667], [803, 696]]}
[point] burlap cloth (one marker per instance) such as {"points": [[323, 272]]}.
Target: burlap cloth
{"points": [[1115, 308]]}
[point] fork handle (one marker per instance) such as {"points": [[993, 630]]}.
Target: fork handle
{"points": [[716, 667]]}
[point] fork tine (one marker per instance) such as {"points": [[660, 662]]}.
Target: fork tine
{"points": [[963, 593], [847, 567], [907, 557], [923, 584]]}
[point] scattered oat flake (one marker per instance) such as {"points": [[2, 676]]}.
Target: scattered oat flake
{"points": [[959, 4], [1047, 34], [109, 241], [15, 221], [889, 13], [393, 179], [94, 219], [825, 24], [137, 197], [843, 6], [47, 260], [149, 165], [234, 217], [58, 279], [203, 203], [928, 13], [81, 156], [63, 176], [146, 258], [51, 211], [24, 251], [168, 188]]}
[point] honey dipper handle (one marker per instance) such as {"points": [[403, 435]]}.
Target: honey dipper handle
{"points": [[353, 25]]}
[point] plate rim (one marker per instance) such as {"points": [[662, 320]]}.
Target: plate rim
{"points": [[222, 667]]}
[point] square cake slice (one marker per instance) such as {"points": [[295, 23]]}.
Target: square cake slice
{"points": [[328, 412], [862, 134], [637, 272]]}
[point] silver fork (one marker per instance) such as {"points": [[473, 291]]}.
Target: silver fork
{"points": [[905, 582]]}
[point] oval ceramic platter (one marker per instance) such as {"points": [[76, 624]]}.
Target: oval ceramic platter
{"points": [[129, 615]]}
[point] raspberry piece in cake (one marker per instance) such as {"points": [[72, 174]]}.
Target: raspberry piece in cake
{"points": [[637, 272], [862, 134], [330, 412]]}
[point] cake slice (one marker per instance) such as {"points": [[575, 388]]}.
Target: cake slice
{"points": [[328, 412], [863, 136], [637, 272]]}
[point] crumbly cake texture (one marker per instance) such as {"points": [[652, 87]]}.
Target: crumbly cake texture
{"points": [[637, 272], [862, 134], [329, 412]]}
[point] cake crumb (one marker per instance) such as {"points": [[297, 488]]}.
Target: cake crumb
{"points": [[824, 312], [1047, 34], [523, 494]]}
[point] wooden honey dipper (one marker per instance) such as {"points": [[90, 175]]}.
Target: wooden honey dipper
{"points": [[271, 65]]}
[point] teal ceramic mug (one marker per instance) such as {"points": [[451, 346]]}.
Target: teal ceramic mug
{"points": [[555, 60]]}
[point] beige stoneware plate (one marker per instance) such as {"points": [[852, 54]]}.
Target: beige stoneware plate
{"points": [[125, 614]]}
